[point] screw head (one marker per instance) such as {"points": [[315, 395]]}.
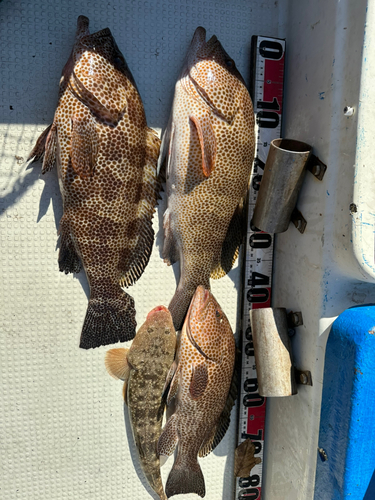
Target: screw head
{"points": [[303, 378]]}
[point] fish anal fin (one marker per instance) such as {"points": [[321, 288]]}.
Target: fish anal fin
{"points": [[84, 146], [199, 381], [69, 261], [116, 363], [231, 245], [207, 141], [169, 438]]}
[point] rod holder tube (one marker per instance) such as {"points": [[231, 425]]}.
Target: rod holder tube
{"points": [[282, 179], [273, 353]]}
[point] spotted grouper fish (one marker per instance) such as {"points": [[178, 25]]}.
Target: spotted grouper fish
{"points": [[202, 379], [144, 368], [106, 160], [208, 150]]}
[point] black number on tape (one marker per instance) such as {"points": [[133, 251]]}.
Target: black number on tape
{"points": [[253, 400], [258, 279], [248, 494], [258, 295], [267, 119], [245, 482], [271, 50], [269, 105], [249, 349], [250, 385], [260, 240], [248, 333], [257, 179], [258, 163], [253, 437]]}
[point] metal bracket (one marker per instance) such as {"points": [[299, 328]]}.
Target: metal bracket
{"points": [[316, 167], [298, 220], [294, 319], [303, 377]]}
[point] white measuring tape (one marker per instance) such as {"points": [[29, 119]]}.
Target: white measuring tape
{"points": [[268, 57]]}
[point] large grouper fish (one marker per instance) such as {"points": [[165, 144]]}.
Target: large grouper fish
{"points": [[207, 150], [144, 368], [202, 383], [106, 158]]}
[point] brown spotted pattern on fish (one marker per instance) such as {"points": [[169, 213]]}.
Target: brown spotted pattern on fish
{"points": [[106, 158], [208, 149], [202, 375], [144, 368]]}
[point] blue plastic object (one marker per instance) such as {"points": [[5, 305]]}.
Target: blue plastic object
{"points": [[346, 454]]}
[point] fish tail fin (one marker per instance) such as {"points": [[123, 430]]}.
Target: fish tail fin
{"points": [[185, 477], [110, 318]]}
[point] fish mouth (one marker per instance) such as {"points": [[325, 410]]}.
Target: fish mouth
{"points": [[157, 310]]}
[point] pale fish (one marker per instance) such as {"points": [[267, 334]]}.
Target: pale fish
{"points": [[144, 368], [208, 149]]}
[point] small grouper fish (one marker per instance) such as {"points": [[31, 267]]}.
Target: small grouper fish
{"points": [[144, 368], [207, 150], [201, 383], [106, 159]]}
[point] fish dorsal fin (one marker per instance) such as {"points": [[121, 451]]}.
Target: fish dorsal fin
{"points": [[84, 146], [219, 430], [199, 381], [230, 248], [140, 235], [116, 363], [207, 141]]}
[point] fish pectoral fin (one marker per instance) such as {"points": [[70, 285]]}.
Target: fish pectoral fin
{"points": [[84, 145], [174, 385], [169, 438], [199, 381], [170, 375], [207, 141], [116, 363]]}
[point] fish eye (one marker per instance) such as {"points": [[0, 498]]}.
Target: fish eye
{"points": [[150, 330], [167, 331], [218, 315], [229, 63]]}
